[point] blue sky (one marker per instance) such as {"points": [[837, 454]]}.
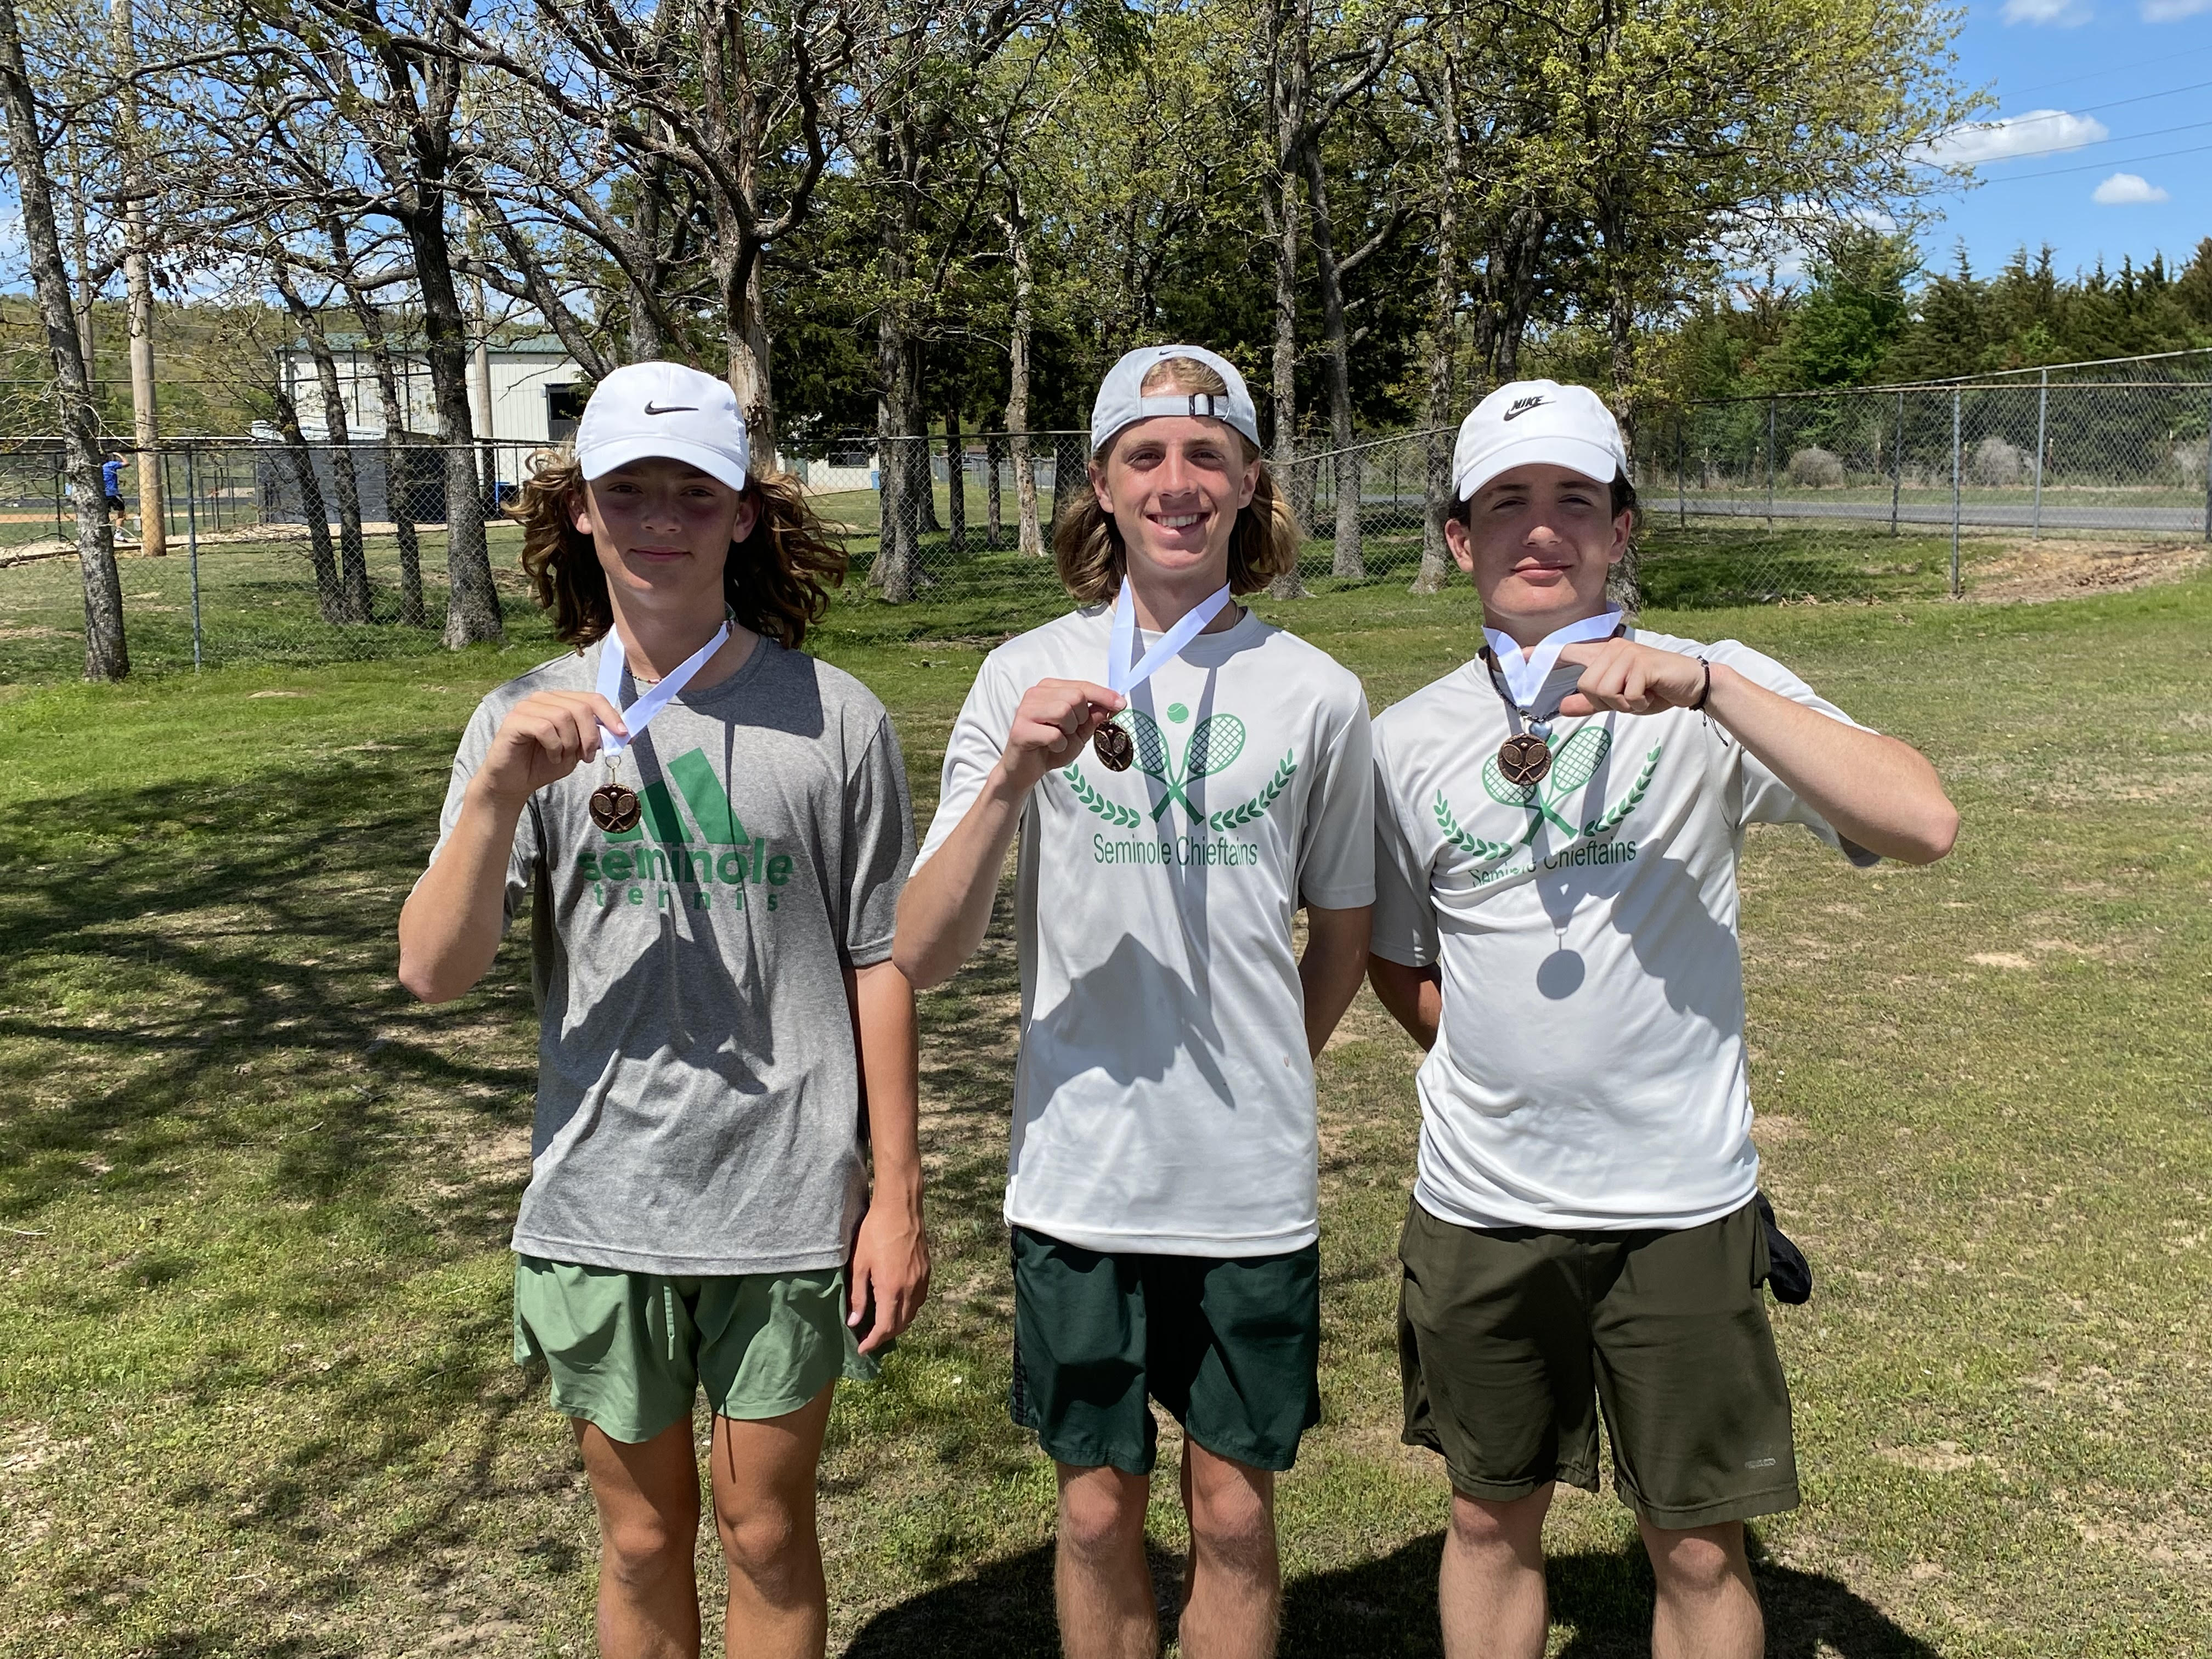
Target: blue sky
{"points": [[2099, 86]]}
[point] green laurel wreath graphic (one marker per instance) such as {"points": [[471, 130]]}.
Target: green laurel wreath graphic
{"points": [[1474, 845], [1232, 817], [1613, 818], [1126, 817], [1491, 851]]}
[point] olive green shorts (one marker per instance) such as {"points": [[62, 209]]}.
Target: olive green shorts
{"points": [[628, 1351], [1231, 1346], [1506, 1334]]}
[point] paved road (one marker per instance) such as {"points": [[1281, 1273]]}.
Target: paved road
{"points": [[2011, 515]]}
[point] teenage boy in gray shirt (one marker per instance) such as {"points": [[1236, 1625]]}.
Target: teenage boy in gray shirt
{"points": [[712, 907]]}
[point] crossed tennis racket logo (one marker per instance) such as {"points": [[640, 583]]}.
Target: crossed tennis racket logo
{"points": [[1215, 743]]}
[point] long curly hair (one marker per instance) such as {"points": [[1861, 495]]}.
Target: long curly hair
{"points": [[777, 581], [1086, 544]]}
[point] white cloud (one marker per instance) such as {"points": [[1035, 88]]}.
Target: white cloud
{"points": [[2066, 14], [2038, 132], [2173, 11], [2125, 189]]}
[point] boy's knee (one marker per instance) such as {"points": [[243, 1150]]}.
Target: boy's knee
{"points": [[641, 1553], [1099, 1513], [1230, 1519], [1696, 1562], [771, 1546]]}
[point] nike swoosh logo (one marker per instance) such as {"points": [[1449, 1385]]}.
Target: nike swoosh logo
{"points": [[673, 409], [1513, 414]]}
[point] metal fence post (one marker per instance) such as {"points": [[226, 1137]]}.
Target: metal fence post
{"points": [[2207, 473], [2042, 420], [192, 545], [1897, 472], [1954, 492], [1770, 463], [57, 492]]}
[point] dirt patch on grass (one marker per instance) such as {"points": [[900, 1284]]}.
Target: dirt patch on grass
{"points": [[2034, 572]]}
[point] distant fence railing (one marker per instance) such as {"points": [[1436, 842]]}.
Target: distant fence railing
{"points": [[1834, 494]]}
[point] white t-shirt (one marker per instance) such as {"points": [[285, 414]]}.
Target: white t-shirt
{"points": [[1163, 1101], [1588, 1068]]}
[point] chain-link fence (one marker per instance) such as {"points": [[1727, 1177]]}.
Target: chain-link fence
{"points": [[312, 552]]}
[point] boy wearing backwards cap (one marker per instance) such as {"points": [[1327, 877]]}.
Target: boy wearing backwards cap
{"points": [[712, 828], [1162, 1186], [1559, 825]]}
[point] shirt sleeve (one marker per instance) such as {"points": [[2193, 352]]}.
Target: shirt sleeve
{"points": [[878, 843], [522, 859], [979, 737], [1405, 930], [1765, 798], [1336, 856]]}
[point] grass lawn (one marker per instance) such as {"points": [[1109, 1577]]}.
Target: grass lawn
{"points": [[254, 1395]]}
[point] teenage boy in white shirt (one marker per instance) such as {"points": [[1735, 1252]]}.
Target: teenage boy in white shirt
{"points": [[1163, 1177], [1559, 825]]}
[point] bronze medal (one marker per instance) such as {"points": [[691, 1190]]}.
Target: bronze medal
{"points": [[615, 808], [1113, 746], [1524, 759]]}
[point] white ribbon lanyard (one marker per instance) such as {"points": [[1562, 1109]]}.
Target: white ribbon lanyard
{"points": [[1525, 673], [613, 660], [1121, 674]]}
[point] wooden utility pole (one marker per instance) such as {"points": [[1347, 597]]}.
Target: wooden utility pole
{"points": [[139, 284]]}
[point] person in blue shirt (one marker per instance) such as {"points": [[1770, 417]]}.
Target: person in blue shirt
{"points": [[111, 482]]}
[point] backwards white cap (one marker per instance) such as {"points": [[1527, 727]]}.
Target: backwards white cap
{"points": [[1532, 420], [645, 410], [1121, 400]]}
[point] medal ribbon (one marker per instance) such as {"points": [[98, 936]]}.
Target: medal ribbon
{"points": [[1121, 674], [1525, 673], [613, 660]]}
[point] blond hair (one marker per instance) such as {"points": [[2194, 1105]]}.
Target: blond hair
{"points": [[776, 581], [1086, 544]]}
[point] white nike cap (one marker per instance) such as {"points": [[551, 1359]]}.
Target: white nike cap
{"points": [[1121, 400], [1537, 421], [647, 410]]}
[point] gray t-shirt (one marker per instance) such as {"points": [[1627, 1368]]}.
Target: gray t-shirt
{"points": [[698, 1087]]}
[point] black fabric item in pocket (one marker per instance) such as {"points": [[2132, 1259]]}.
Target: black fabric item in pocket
{"points": [[1788, 1275]]}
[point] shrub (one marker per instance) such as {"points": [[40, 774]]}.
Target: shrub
{"points": [[1996, 462], [1815, 468]]}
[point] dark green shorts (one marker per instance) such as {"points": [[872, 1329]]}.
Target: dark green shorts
{"points": [[1231, 1347], [629, 1351], [1505, 1336]]}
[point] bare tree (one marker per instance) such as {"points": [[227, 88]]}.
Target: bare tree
{"points": [[106, 657]]}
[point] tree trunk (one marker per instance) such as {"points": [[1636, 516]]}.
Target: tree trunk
{"points": [[480, 378], [473, 614], [1441, 92], [1348, 562], [994, 456], [398, 476], [1625, 585], [1288, 77], [923, 490], [328, 592], [895, 541], [105, 655], [1017, 384], [956, 476], [745, 320], [353, 557]]}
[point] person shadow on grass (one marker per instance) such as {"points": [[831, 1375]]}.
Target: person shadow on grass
{"points": [[1387, 1609]]}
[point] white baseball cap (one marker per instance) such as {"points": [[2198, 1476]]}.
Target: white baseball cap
{"points": [[1537, 421], [645, 410], [1121, 400]]}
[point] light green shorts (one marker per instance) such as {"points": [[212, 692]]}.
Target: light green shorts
{"points": [[628, 1351]]}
